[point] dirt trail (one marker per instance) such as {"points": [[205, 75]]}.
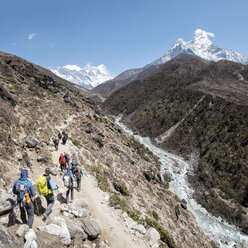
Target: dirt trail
{"points": [[113, 226]]}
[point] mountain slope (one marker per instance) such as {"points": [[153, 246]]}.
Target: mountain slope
{"points": [[200, 46], [87, 77], [39, 104], [197, 109]]}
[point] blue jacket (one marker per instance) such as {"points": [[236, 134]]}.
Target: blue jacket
{"points": [[53, 187], [51, 183]]}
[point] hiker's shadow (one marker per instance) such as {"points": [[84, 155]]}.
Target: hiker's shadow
{"points": [[61, 198]]}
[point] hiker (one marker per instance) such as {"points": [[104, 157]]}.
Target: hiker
{"points": [[65, 137], [46, 187], [77, 173], [59, 135], [68, 180], [67, 157], [24, 191], [62, 162], [55, 142]]}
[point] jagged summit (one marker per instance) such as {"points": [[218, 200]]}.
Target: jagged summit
{"points": [[200, 46], [203, 47], [88, 77]]}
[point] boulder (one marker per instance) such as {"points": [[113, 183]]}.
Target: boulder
{"points": [[43, 158], [31, 141], [184, 204], [7, 201], [152, 235], [91, 228], [75, 230], [149, 175], [30, 237], [140, 228], [4, 220], [120, 187], [130, 223], [57, 226], [26, 161], [21, 230], [61, 231], [6, 239]]}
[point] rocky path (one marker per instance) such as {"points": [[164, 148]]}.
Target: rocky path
{"points": [[112, 223]]}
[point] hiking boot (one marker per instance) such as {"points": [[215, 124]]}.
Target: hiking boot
{"points": [[44, 217]]}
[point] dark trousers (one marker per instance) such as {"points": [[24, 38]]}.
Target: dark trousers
{"points": [[63, 167], [71, 189], [50, 201], [30, 212], [79, 184]]}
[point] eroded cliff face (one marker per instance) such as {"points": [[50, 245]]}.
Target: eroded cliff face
{"points": [[36, 104]]}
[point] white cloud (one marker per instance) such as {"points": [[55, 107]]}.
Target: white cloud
{"points": [[31, 36], [14, 44], [51, 45]]}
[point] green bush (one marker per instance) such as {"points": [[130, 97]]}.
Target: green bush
{"points": [[75, 142], [164, 235]]}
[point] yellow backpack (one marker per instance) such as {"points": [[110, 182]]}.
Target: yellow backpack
{"points": [[42, 185]]}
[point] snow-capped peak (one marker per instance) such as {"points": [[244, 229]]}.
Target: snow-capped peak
{"points": [[201, 46], [72, 67], [201, 37], [88, 77]]}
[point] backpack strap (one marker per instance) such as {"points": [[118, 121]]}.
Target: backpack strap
{"points": [[48, 182]]}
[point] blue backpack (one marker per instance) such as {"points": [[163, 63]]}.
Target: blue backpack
{"points": [[21, 190]]}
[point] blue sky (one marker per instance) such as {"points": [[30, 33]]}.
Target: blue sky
{"points": [[121, 34]]}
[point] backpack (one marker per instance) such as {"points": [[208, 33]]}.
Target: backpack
{"points": [[67, 157], [64, 139], [42, 185], [21, 190], [59, 135], [77, 173], [62, 159], [67, 180]]}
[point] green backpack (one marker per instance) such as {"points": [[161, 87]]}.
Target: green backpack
{"points": [[42, 185]]}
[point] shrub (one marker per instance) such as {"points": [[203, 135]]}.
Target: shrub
{"points": [[75, 142], [36, 90]]}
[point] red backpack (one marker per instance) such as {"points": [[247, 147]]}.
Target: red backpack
{"points": [[62, 159]]}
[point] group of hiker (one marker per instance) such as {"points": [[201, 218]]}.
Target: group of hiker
{"points": [[57, 138], [26, 198]]}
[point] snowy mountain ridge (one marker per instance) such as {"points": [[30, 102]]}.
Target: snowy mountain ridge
{"points": [[203, 47], [87, 77]]}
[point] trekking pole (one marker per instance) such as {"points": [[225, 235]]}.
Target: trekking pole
{"points": [[36, 205]]}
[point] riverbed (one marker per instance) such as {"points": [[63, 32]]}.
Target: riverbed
{"points": [[227, 236]]}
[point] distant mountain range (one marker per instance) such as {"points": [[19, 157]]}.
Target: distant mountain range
{"points": [[200, 46], [87, 77]]}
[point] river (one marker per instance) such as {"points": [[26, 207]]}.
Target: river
{"points": [[227, 236]]}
